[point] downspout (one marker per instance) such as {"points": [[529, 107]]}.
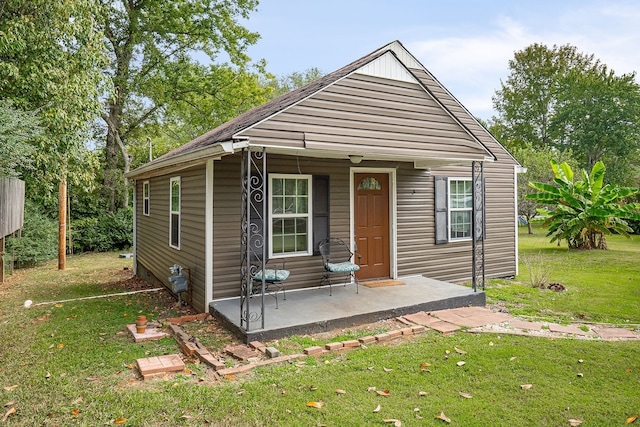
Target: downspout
{"points": [[208, 230]]}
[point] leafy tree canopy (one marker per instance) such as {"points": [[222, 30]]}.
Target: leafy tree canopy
{"points": [[566, 100], [17, 129], [178, 68]]}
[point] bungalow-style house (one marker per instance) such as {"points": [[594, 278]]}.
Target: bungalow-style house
{"points": [[377, 153]]}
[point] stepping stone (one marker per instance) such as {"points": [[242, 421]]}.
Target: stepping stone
{"points": [[151, 366], [523, 324], [444, 327], [568, 329], [421, 318], [615, 333], [151, 334]]}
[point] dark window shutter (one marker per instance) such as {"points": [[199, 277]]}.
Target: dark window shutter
{"points": [[320, 210], [442, 218]]}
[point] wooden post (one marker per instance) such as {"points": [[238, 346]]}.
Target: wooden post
{"points": [[1, 259], [62, 229]]}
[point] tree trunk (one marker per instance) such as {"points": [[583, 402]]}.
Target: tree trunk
{"points": [[529, 229]]}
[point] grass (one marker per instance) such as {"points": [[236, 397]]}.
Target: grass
{"points": [[602, 286], [72, 363]]}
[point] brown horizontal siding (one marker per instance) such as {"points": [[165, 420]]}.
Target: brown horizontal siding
{"points": [[152, 243], [365, 112]]}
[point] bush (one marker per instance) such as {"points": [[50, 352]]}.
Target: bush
{"points": [[106, 232], [39, 241]]}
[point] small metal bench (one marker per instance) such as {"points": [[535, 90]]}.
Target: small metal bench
{"points": [[337, 261]]}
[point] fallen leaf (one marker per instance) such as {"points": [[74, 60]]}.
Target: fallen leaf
{"points": [[60, 345], [580, 375], [574, 422], [6, 405], [186, 417], [447, 352], [313, 388], [443, 417], [377, 409], [230, 377], [425, 364], [11, 387], [288, 411], [387, 369], [461, 363], [120, 421], [526, 386], [513, 358], [628, 371], [371, 389], [465, 395], [58, 305], [241, 391], [422, 393], [632, 419], [340, 391], [315, 404], [48, 375], [459, 351], [383, 392], [8, 414], [580, 361], [490, 343], [416, 409], [396, 423], [75, 411], [78, 400]]}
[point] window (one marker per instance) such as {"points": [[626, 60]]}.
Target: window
{"points": [[460, 208], [145, 198], [290, 216], [174, 213]]}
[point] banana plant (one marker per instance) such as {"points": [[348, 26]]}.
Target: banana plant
{"points": [[583, 211]]}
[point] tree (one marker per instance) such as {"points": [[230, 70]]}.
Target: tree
{"points": [[598, 118], [158, 85], [560, 98], [17, 129], [51, 60], [585, 210], [526, 101], [536, 162], [289, 82]]}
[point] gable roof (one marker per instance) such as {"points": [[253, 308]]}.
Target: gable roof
{"points": [[212, 143]]}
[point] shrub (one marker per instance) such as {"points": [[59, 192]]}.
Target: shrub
{"points": [[105, 232], [39, 238], [538, 270]]}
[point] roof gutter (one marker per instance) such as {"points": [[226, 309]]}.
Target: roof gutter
{"points": [[179, 162]]}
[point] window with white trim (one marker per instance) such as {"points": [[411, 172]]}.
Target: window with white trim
{"points": [[145, 198], [174, 213], [460, 208], [290, 215]]}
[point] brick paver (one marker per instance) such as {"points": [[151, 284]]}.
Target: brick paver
{"points": [[421, 318], [444, 327], [151, 334], [570, 329], [523, 324], [160, 364]]}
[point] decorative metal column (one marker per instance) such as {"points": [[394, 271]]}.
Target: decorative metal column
{"points": [[478, 225], [252, 233]]}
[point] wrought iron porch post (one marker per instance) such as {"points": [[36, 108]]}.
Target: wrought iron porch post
{"points": [[478, 224], [252, 231]]}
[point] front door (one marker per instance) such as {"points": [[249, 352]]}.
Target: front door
{"points": [[371, 223]]}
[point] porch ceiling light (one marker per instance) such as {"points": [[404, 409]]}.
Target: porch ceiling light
{"points": [[355, 158]]}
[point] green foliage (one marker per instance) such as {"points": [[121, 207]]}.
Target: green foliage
{"points": [[160, 89], [558, 98], [584, 210], [536, 161], [105, 232], [17, 129], [38, 242], [295, 80]]}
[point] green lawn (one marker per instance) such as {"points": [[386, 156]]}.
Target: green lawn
{"points": [[602, 286], [71, 363]]}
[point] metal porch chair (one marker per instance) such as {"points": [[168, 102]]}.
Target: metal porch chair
{"points": [[336, 258], [273, 282]]}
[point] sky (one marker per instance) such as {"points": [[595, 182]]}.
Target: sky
{"points": [[465, 44]]}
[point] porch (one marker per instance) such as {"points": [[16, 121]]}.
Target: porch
{"points": [[312, 310]]}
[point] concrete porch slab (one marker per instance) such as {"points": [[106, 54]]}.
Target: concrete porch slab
{"points": [[313, 310]]}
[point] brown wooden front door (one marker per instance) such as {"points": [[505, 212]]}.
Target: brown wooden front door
{"points": [[371, 222]]}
